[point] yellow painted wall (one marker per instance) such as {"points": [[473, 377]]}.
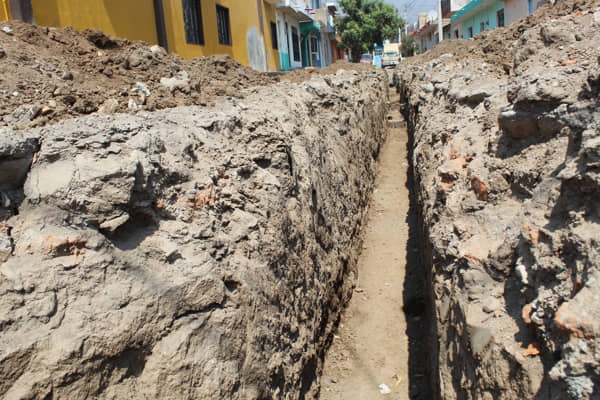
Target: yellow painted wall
{"points": [[131, 19], [135, 20], [272, 54], [4, 10], [243, 16]]}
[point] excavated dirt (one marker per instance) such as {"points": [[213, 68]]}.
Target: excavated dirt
{"points": [[50, 74], [506, 150], [198, 252], [188, 253], [207, 251]]}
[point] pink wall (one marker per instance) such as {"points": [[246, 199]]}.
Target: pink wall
{"points": [[514, 10]]}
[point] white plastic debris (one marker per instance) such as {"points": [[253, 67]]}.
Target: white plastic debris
{"points": [[140, 87], [522, 272], [7, 30], [384, 389], [132, 105], [143, 92]]}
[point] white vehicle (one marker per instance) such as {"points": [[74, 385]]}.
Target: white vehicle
{"points": [[391, 55]]}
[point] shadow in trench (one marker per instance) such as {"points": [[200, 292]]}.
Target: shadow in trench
{"points": [[415, 306]]}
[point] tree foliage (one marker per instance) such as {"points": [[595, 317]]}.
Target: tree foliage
{"points": [[409, 47], [365, 22]]}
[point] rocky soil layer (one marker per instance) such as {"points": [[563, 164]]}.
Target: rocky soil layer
{"points": [[194, 253], [506, 156]]}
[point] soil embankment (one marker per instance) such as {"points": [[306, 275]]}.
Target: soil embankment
{"points": [[208, 251], [197, 252], [506, 148]]}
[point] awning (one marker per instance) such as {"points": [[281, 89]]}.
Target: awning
{"points": [[472, 6], [306, 28], [294, 12]]}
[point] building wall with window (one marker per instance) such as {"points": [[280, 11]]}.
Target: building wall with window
{"points": [[131, 19], [5, 10], [290, 46], [240, 28], [244, 24], [271, 42], [478, 16]]}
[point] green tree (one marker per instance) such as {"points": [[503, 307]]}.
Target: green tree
{"points": [[409, 47], [365, 22]]}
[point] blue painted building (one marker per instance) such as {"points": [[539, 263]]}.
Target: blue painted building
{"points": [[478, 16]]}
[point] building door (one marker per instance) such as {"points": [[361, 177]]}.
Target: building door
{"points": [[284, 51], [22, 10], [296, 46], [315, 60]]}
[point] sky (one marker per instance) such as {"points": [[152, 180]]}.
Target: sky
{"points": [[414, 7]]}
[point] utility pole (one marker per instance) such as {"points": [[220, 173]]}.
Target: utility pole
{"points": [[407, 6], [440, 23]]}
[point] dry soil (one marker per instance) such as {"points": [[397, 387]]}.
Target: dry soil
{"points": [[371, 346]]}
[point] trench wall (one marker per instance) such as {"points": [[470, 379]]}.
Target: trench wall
{"points": [[504, 159], [188, 253]]}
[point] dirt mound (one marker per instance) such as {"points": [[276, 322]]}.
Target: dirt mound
{"points": [[494, 46], [303, 74], [49, 74]]}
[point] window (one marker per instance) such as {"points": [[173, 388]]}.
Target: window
{"points": [[274, 35], [500, 17], [314, 46], [295, 44], [530, 6], [470, 30], [481, 27], [223, 25], [456, 33], [316, 4], [445, 7], [192, 21]]}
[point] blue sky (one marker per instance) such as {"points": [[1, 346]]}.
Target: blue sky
{"points": [[414, 7]]}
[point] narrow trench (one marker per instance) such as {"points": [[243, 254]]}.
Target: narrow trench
{"points": [[380, 347]]}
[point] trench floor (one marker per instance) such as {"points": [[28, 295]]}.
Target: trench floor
{"points": [[371, 346]]}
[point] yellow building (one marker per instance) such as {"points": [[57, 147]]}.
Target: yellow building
{"points": [[190, 28], [4, 10]]}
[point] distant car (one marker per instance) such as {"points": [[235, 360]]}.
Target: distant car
{"points": [[390, 59], [366, 59]]}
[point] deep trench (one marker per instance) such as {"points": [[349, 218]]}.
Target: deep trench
{"points": [[418, 307], [416, 304], [424, 346]]}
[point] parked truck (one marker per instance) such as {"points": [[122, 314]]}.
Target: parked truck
{"points": [[391, 55]]}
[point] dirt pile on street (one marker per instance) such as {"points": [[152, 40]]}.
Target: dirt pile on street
{"points": [[50, 74], [301, 75], [506, 131], [496, 46]]}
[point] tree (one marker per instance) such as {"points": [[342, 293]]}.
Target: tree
{"points": [[365, 22], [409, 47]]}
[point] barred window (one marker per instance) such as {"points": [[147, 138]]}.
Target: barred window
{"points": [[192, 20], [274, 36], [296, 44], [500, 17], [223, 25]]}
